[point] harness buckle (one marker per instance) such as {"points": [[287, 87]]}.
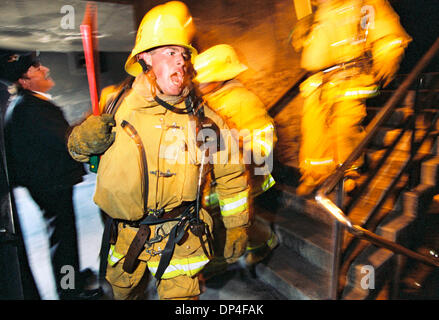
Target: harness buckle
{"points": [[158, 213]]}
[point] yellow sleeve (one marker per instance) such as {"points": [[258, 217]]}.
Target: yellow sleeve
{"points": [[233, 194], [387, 39], [247, 112], [384, 22], [231, 182]]}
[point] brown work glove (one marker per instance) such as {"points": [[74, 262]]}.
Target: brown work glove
{"points": [[236, 243], [92, 137]]}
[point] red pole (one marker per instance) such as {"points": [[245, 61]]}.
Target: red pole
{"points": [[88, 26], [89, 61]]}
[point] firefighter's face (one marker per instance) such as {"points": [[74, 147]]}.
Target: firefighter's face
{"points": [[37, 78], [170, 66]]}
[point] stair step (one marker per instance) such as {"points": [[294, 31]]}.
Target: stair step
{"points": [[355, 293], [360, 213], [386, 136], [435, 142], [293, 276], [373, 263], [300, 233], [396, 119], [393, 165], [430, 172], [397, 157], [290, 200], [396, 228], [418, 199]]}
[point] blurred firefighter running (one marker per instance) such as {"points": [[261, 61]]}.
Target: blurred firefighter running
{"points": [[351, 48], [149, 174], [216, 71]]}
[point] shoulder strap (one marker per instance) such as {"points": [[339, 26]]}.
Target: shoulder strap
{"points": [[112, 107]]}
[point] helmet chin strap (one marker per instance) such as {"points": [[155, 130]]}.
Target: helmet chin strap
{"points": [[150, 75], [144, 65]]}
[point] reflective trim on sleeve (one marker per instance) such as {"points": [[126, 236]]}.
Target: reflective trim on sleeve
{"points": [[266, 146], [318, 162], [358, 93], [177, 267], [236, 204], [390, 46], [268, 183], [113, 256], [267, 128]]}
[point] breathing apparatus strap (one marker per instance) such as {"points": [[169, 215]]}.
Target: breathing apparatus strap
{"points": [[197, 227], [188, 215], [112, 107], [188, 102]]}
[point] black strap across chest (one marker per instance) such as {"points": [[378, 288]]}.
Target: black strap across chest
{"points": [[188, 103]]}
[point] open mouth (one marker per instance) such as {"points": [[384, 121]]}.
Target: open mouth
{"points": [[177, 78]]}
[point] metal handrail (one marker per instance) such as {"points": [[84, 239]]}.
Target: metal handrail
{"points": [[322, 193]]}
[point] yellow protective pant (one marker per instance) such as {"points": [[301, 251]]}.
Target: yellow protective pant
{"points": [[330, 132], [258, 234], [132, 286], [180, 279]]}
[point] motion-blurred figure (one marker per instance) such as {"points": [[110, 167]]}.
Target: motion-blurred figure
{"points": [[351, 47], [217, 69], [36, 148], [150, 171]]}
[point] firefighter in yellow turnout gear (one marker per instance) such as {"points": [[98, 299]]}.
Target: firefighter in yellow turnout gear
{"points": [[351, 48], [148, 179], [217, 69]]}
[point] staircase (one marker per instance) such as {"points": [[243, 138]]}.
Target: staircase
{"points": [[303, 265], [299, 267]]}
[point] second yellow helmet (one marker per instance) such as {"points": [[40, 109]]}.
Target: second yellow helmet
{"points": [[218, 63]]}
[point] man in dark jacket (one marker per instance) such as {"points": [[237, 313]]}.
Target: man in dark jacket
{"points": [[35, 134]]}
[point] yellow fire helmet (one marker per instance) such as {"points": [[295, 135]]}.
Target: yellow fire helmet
{"points": [[218, 63], [166, 24]]}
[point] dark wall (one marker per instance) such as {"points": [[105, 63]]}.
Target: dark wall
{"points": [[71, 91], [420, 19], [259, 30]]}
